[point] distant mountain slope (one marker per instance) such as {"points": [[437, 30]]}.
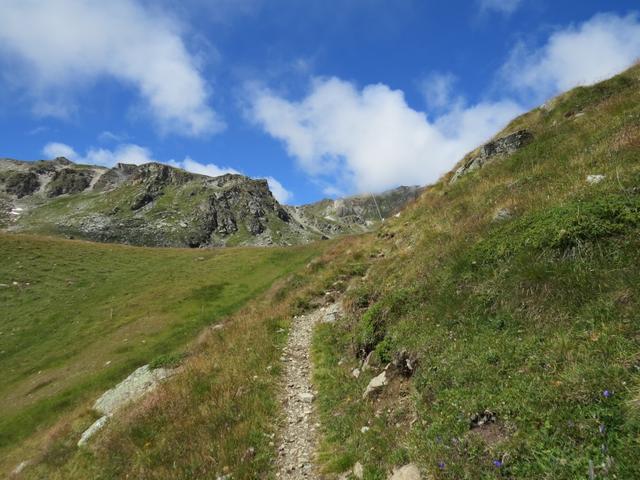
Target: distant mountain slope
{"points": [[158, 205], [354, 214]]}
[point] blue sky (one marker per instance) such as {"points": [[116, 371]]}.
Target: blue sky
{"points": [[325, 98]]}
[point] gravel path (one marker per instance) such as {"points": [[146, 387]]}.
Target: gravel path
{"points": [[298, 436]]}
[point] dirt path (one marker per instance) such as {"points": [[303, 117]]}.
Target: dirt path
{"points": [[298, 437]]}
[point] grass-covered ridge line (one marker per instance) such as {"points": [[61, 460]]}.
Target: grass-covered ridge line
{"points": [[530, 319], [81, 316]]}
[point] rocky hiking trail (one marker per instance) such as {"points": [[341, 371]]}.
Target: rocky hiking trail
{"points": [[299, 431]]}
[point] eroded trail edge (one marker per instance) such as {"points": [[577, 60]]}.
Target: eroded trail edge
{"points": [[299, 432]]}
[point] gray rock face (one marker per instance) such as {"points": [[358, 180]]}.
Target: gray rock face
{"points": [[21, 184], [491, 151], [68, 181]]}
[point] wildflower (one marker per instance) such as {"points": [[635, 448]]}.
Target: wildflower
{"points": [[606, 394], [497, 463], [441, 465]]}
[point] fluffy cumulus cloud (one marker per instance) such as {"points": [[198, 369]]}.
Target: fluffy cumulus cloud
{"points": [[578, 55], [502, 6], [370, 139], [137, 155], [59, 45]]}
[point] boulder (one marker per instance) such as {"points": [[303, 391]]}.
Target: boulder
{"points": [[140, 382], [408, 472], [500, 147], [376, 385]]}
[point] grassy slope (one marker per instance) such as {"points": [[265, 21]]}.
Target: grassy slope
{"points": [[77, 306], [219, 414], [531, 318]]}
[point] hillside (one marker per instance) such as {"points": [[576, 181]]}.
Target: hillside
{"points": [[507, 305], [158, 205], [488, 331], [77, 317]]}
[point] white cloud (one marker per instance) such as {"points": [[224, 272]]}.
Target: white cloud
{"points": [[209, 169], [107, 136], [501, 6], [370, 139], [56, 149], [578, 55], [437, 90], [125, 153], [279, 192], [59, 45]]}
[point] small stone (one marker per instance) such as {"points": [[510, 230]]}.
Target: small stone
{"points": [[408, 472], [306, 397], [595, 179], [21, 466], [502, 214], [376, 385], [92, 430], [355, 373], [366, 364], [358, 470], [364, 429]]}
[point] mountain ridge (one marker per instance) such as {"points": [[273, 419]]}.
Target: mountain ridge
{"points": [[160, 205]]}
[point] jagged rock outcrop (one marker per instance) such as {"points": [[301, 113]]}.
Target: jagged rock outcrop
{"points": [[68, 181], [491, 151], [21, 184]]}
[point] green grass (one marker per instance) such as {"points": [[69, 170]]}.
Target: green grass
{"points": [[531, 318], [82, 316], [219, 414]]}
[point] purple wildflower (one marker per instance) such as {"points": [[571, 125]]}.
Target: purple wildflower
{"points": [[441, 465], [497, 463], [606, 394]]}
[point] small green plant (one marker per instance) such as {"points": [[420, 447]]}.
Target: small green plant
{"points": [[168, 360]]}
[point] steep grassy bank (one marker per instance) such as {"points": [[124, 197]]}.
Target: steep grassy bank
{"points": [[515, 292], [78, 317]]}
